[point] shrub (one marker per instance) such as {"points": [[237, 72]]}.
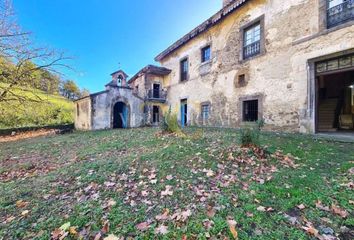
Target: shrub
{"points": [[170, 123], [249, 133]]}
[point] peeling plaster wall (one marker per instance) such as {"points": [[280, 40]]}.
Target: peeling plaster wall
{"points": [[103, 108], [83, 114], [293, 34]]}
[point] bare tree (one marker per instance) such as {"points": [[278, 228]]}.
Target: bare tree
{"points": [[21, 60]]}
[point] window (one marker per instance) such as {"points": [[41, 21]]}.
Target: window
{"points": [[241, 79], [119, 80], [137, 89], [252, 41], [339, 11], [206, 54], [250, 111], [205, 112], [184, 70]]}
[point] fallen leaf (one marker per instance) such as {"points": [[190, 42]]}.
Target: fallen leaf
{"points": [[25, 212], [311, 230], [261, 209], [56, 233], [21, 204], [163, 216], [98, 236], [72, 231], [105, 228], [232, 227], [143, 226], [111, 237], [167, 191], [210, 173], [301, 207], [321, 207], [341, 212], [210, 211], [169, 177], [162, 229], [186, 214]]}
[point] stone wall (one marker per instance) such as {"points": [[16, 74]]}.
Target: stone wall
{"points": [[280, 77], [83, 114], [103, 104]]}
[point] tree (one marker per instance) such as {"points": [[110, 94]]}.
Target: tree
{"points": [[22, 63], [84, 92], [70, 90]]}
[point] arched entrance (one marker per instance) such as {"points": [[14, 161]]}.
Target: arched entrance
{"points": [[120, 115]]}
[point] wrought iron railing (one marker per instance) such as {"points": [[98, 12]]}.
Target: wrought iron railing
{"points": [[157, 95], [251, 49], [340, 13]]}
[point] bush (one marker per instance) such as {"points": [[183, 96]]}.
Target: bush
{"points": [[249, 133], [170, 123]]}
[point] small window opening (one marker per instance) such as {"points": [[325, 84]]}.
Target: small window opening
{"points": [[250, 111]]}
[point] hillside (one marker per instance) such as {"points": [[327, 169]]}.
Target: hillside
{"points": [[50, 110]]}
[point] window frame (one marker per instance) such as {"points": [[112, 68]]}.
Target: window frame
{"points": [[243, 29], [248, 117], [202, 51], [184, 77], [257, 96], [202, 106]]}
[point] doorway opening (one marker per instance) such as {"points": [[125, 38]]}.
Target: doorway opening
{"points": [[335, 102], [184, 112], [155, 115], [156, 90], [120, 115]]}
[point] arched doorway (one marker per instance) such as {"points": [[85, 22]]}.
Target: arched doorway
{"points": [[120, 115]]}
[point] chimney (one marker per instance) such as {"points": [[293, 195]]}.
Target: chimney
{"points": [[226, 2]]}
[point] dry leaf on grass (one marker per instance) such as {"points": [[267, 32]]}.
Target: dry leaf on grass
{"points": [[167, 191], [341, 212], [111, 237], [162, 229], [232, 228], [143, 226]]}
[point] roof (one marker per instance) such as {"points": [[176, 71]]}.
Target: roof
{"points": [[156, 70], [111, 84], [120, 71], [212, 21]]}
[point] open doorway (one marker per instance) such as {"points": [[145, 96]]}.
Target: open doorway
{"points": [[156, 90], [335, 101], [120, 115], [155, 115], [184, 112]]}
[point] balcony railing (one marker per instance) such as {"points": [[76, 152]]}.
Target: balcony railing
{"points": [[251, 50], [340, 14], [158, 95]]}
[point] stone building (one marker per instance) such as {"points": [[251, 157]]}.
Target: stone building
{"points": [[290, 63]]}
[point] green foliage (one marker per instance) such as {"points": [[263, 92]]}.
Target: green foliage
{"points": [[249, 133], [70, 90], [51, 110], [170, 123]]}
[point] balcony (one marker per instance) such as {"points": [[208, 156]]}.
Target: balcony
{"points": [[157, 95], [340, 13], [251, 50]]}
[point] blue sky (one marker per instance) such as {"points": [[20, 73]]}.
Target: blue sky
{"points": [[100, 34]]}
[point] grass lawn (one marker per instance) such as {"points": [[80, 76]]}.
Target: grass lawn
{"points": [[138, 184]]}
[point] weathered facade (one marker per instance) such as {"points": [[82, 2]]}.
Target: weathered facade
{"points": [[262, 59], [124, 105]]}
